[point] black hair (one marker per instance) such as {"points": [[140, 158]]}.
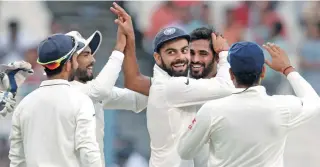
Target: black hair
{"points": [[203, 33], [247, 78]]}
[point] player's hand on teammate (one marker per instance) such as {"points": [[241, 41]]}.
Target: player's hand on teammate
{"points": [[124, 20], [280, 61], [219, 43]]}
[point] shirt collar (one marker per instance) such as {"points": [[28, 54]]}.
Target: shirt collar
{"points": [[52, 82], [157, 72], [254, 89], [74, 82]]}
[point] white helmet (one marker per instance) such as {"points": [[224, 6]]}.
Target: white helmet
{"points": [[93, 41]]}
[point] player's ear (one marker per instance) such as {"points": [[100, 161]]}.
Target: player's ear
{"points": [[157, 58], [263, 72], [74, 61], [67, 66]]}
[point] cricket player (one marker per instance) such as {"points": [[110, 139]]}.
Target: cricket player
{"points": [[102, 90], [249, 128], [204, 64], [55, 124], [171, 94], [12, 76]]}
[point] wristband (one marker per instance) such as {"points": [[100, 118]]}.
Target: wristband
{"points": [[284, 71]]}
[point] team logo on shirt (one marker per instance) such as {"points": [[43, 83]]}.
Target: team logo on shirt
{"points": [[169, 31], [191, 125]]}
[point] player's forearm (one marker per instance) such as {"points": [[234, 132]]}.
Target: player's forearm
{"points": [[85, 135], [90, 158], [126, 99], [133, 79], [223, 64], [196, 92], [101, 87], [16, 160], [16, 153], [223, 70], [310, 102], [301, 87], [195, 135]]}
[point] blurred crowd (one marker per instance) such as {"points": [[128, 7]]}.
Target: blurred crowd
{"points": [[294, 26]]}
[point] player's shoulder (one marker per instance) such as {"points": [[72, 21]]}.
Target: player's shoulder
{"points": [[33, 95], [286, 100], [78, 95], [219, 103], [283, 97]]}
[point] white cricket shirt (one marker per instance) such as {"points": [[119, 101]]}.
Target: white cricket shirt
{"points": [[249, 129], [169, 109], [105, 95], [54, 126]]}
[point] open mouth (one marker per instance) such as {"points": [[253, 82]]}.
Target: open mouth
{"points": [[90, 69], [179, 66], [197, 67]]}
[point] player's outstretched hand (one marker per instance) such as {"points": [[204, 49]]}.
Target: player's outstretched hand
{"points": [[280, 60], [219, 43], [125, 22]]}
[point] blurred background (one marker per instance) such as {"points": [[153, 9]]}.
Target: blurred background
{"points": [[295, 26]]}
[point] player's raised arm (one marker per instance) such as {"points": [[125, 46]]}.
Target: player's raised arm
{"points": [[100, 87], [306, 106], [134, 80]]}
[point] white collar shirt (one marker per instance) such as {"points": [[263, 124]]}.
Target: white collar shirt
{"points": [[54, 126], [250, 128]]}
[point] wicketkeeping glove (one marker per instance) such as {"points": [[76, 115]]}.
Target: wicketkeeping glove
{"points": [[7, 103], [14, 74], [12, 77]]}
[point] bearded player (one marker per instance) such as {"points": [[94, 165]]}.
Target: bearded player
{"points": [[101, 89]]}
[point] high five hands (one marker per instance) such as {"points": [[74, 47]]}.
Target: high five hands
{"points": [[123, 21]]}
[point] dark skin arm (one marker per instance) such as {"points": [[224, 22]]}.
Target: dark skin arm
{"points": [[133, 79]]}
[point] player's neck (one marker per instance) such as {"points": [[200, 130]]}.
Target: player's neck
{"points": [[244, 86], [78, 80], [59, 76]]}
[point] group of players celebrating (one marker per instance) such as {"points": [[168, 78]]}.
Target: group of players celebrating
{"points": [[205, 105]]}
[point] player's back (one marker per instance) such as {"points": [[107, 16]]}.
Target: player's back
{"points": [[48, 123], [250, 128]]}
